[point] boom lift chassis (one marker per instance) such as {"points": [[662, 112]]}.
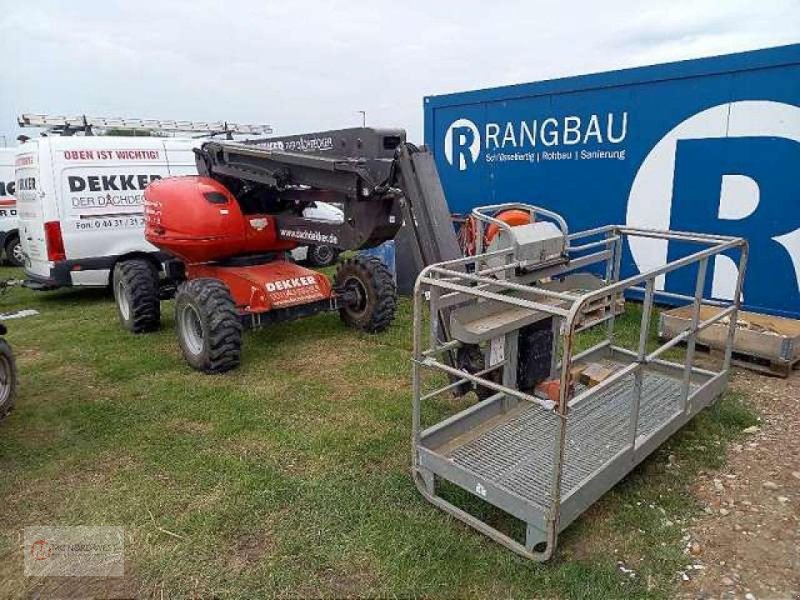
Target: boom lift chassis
{"points": [[546, 461]]}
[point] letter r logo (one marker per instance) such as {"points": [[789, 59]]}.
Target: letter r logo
{"points": [[740, 187], [730, 169], [462, 143]]}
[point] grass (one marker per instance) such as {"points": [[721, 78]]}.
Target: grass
{"points": [[290, 476]]}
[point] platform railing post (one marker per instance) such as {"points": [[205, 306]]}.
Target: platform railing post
{"points": [[638, 375], [510, 351], [737, 300], [560, 439], [416, 380], [433, 304], [613, 267], [692, 339]]}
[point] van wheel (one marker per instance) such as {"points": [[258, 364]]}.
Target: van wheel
{"points": [[8, 378], [322, 256], [136, 294], [209, 329], [13, 248]]}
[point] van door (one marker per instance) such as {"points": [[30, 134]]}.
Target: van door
{"points": [[101, 181], [30, 193]]}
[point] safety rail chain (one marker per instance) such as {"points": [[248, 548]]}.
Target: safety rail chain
{"points": [[450, 284]]}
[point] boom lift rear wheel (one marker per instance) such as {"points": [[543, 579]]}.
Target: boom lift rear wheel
{"points": [[135, 284], [368, 294], [209, 329]]}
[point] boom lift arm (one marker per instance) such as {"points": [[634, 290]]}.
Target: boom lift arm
{"points": [[284, 183]]}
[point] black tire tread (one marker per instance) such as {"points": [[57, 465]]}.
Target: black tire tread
{"points": [[141, 279], [9, 244], [213, 300], [374, 273], [313, 261], [8, 405]]}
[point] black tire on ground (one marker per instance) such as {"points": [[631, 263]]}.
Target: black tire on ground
{"points": [[209, 329], [135, 285], [373, 291], [322, 256], [8, 378], [13, 249]]}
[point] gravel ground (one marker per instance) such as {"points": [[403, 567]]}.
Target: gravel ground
{"points": [[747, 543]]}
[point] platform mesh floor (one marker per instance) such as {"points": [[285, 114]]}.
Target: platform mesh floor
{"points": [[517, 453]]}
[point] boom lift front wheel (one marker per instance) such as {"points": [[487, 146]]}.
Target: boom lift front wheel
{"points": [[209, 329], [368, 294]]}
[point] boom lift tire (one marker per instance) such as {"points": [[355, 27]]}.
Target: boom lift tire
{"points": [[8, 378], [209, 329], [369, 294], [13, 249], [135, 286]]}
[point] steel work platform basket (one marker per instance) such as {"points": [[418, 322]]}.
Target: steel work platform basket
{"points": [[543, 460]]}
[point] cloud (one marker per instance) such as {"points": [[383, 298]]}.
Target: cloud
{"points": [[311, 65]]}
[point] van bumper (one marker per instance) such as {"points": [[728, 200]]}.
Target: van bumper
{"points": [[61, 272], [55, 280]]}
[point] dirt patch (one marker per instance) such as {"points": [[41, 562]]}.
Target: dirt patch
{"points": [[290, 463], [41, 499], [189, 426], [249, 550], [747, 543], [67, 588], [28, 355], [357, 581]]}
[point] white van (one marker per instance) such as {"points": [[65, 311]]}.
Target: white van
{"points": [[81, 222], [9, 235], [80, 202]]}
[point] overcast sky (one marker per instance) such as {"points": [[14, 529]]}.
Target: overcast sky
{"points": [[311, 65]]}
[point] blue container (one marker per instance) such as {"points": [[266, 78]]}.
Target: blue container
{"points": [[385, 252], [709, 145]]}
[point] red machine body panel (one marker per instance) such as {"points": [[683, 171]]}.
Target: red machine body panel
{"points": [[198, 220], [276, 284]]}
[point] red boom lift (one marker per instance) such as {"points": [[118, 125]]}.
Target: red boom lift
{"points": [[230, 229]]}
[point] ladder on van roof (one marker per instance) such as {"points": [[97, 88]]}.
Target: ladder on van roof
{"points": [[70, 125]]}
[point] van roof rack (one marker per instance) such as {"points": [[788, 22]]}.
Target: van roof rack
{"points": [[70, 125]]}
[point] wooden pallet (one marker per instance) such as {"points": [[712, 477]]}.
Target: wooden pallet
{"points": [[594, 311], [767, 366], [763, 343]]}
